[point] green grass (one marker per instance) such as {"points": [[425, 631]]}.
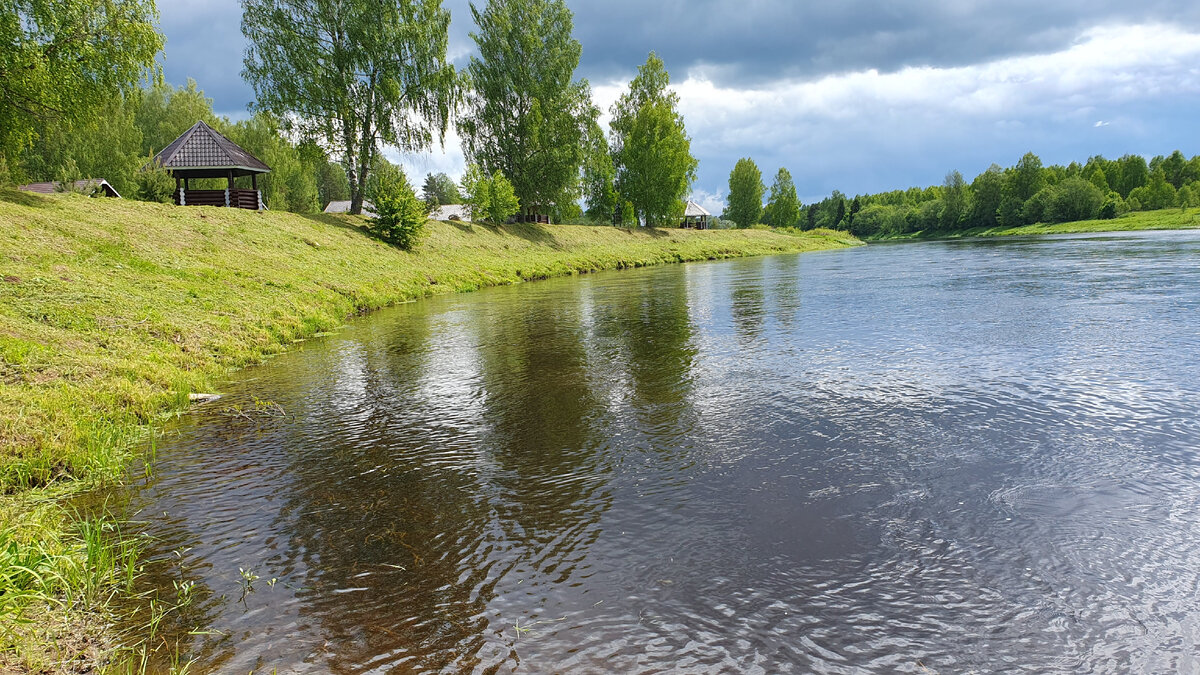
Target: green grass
{"points": [[1166, 219], [112, 312]]}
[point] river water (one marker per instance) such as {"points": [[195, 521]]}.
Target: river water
{"points": [[922, 457]]}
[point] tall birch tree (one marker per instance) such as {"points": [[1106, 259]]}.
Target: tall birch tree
{"points": [[356, 75], [526, 115], [651, 150]]}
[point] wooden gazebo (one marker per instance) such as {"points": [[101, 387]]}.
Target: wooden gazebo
{"points": [[695, 216], [202, 152]]}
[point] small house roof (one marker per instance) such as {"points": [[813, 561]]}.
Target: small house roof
{"points": [[694, 210], [85, 185], [368, 208], [204, 148]]}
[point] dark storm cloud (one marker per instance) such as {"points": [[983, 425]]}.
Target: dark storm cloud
{"points": [[826, 89], [733, 42], [756, 40], [205, 43]]}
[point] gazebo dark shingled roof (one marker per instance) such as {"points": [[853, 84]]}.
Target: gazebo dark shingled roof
{"points": [[202, 152], [203, 147]]}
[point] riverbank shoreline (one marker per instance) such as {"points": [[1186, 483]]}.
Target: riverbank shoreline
{"points": [[1166, 219], [113, 313]]}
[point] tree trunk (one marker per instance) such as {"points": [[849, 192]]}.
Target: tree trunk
{"points": [[356, 197], [366, 151]]}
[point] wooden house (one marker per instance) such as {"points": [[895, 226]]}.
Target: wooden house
{"points": [[202, 152]]}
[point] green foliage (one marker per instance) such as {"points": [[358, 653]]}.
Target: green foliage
{"points": [[1074, 199], [1036, 209], [988, 193], [628, 213], [154, 184], [490, 197], [880, 220], [355, 75], [384, 176], [1108, 210], [329, 176], [1025, 179], [1134, 173], [599, 176], [993, 200], [783, 206], [64, 59], [292, 183], [526, 116], [956, 201], [651, 150], [400, 216], [163, 112], [1189, 195], [104, 145], [745, 193], [1158, 193], [439, 190], [926, 217]]}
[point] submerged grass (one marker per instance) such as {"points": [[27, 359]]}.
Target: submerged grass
{"points": [[1166, 219], [113, 312]]}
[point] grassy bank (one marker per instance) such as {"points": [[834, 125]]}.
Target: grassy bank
{"points": [[113, 312], [1166, 219]]}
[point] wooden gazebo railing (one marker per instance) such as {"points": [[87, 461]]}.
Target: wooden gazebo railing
{"points": [[238, 198]]}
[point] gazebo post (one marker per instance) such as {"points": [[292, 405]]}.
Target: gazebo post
{"points": [[229, 189]]}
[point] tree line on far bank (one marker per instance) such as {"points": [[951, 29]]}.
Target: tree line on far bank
{"points": [[335, 83], [1023, 194]]}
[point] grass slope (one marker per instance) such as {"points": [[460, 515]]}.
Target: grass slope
{"points": [[112, 312], [1166, 219]]}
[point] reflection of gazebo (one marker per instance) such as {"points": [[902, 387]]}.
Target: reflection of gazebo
{"points": [[695, 216], [201, 152]]}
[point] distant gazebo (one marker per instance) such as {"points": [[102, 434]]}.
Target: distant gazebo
{"points": [[695, 216], [202, 152]]}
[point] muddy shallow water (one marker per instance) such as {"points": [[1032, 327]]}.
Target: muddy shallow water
{"points": [[954, 456]]}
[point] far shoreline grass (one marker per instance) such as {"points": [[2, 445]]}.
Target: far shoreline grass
{"points": [[1166, 219], [113, 312]]}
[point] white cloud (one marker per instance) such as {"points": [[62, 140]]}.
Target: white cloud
{"points": [[713, 202], [863, 123], [918, 120], [1101, 123]]}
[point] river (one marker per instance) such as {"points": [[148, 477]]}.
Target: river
{"points": [[920, 457]]}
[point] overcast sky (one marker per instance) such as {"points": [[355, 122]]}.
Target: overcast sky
{"points": [[850, 95]]}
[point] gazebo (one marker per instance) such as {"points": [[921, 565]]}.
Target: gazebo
{"points": [[202, 152], [695, 216]]}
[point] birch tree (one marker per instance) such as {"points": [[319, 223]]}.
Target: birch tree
{"points": [[651, 150], [356, 75], [526, 115]]}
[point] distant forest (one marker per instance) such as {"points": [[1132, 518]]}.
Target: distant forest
{"points": [[1023, 194]]}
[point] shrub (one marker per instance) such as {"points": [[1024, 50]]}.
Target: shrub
{"points": [[1075, 199], [1036, 207], [1108, 211], [400, 216], [491, 197], [880, 220], [154, 184]]}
